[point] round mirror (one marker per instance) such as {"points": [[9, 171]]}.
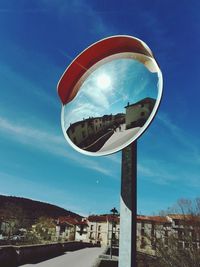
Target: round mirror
{"points": [[114, 101]]}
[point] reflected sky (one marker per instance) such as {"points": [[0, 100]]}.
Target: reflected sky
{"points": [[109, 88]]}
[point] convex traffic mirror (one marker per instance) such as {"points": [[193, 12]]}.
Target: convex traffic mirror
{"points": [[110, 94]]}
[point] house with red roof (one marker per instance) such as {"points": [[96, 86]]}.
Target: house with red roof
{"points": [[66, 228], [102, 227]]}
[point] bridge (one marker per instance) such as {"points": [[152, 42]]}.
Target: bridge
{"points": [[55, 254], [85, 257]]}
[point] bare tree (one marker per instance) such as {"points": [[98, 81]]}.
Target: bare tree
{"points": [[180, 247]]}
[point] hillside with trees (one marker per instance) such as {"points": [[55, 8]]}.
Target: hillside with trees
{"points": [[26, 221], [27, 209]]}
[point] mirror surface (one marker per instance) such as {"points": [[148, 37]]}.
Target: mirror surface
{"points": [[115, 102]]}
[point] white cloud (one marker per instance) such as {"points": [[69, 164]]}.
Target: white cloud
{"points": [[63, 8], [157, 172], [22, 84], [187, 144], [48, 142]]}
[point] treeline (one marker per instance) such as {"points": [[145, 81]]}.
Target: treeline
{"points": [[11, 206]]}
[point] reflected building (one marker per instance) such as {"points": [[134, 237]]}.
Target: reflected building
{"points": [[138, 113], [86, 132], [94, 133]]}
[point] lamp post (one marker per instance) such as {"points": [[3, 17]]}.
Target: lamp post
{"points": [[114, 212]]}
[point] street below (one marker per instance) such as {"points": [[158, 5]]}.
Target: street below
{"points": [[80, 258], [119, 137]]}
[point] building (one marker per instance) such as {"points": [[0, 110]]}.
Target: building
{"points": [[98, 229], [150, 229], [183, 229], [187, 230], [102, 228], [138, 113], [82, 231], [66, 228], [84, 133]]}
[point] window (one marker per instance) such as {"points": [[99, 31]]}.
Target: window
{"points": [[91, 227], [176, 222], [194, 235], [180, 245], [195, 246], [99, 228], [142, 243], [91, 236], [81, 230], [152, 230], [62, 229], [99, 236], [142, 113], [83, 134], [153, 243], [187, 245], [142, 231], [166, 241], [180, 234]]}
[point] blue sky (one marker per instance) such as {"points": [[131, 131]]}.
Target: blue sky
{"points": [[38, 41]]}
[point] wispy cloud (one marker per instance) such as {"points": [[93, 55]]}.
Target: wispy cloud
{"points": [[157, 173], [11, 78], [188, 144], [32, 189], [79, 8], [48, 142], [179, 162]]}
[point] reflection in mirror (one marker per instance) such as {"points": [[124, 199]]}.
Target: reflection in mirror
{"points": [[115, 102]]}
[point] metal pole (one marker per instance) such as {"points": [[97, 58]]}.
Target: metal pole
{"points": [[114, 211], [128, 207], [111, 241]]}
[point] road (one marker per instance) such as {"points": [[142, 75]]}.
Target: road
{"points": [[119, 138], [80, 258]]}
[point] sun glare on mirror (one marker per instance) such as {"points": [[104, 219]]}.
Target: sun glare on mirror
{"points": [[103, 81]]}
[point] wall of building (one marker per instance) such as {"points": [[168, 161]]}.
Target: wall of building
{"points": [[100, 232], [81, 233], [80, 131], [136, 113]]}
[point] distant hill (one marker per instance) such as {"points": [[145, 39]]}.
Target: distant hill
{"points": [[32, 209]]}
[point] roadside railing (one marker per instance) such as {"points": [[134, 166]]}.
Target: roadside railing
{"points": [[13, 256]]}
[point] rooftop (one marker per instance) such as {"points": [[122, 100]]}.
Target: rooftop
{"points": [[103, 218], [146, 100], [156, 219]]}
